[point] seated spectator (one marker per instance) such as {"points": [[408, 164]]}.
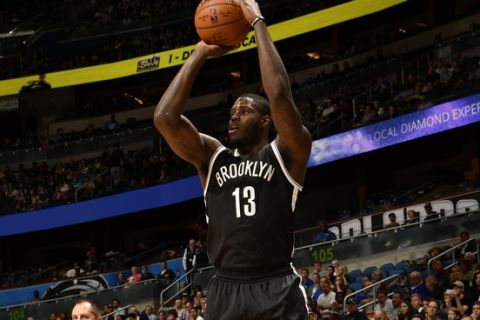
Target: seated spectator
{"points": [[467, 247], [353, 312], [392, 217], [136, 276], [117, 308], [76, 271], [195, 313], [146, 275], [383, 303], [475, 314], [326, 301], [149, 313], [324, 234], [316, 288], [306, 281], [112, 124], [416, 284], [459, 301], [406, 311], [417, 304], [317, 268], [431, 311], [122, 279], [433, 290], [440, 274], [165, 274], [431, 215]]}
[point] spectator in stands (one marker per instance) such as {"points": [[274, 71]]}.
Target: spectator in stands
{"points": [[135, 276], [190, 257], [330, 274], [165, 274], [453, 315], [475, 288], [396, 301], [431, 311], [307, 283], [433, 290], [340, 285], [195, 313], [112, 124], [431, 215], [380, 315], [161, 315], [146, 275], [416, 284], [324, 234], [149, 313], [406, 311], [392, 217], [316, 289], [353, 312], [117, 308], [417, 304], [377, 276], [475, 310], [383, 303], [459, 301], [85, 310], [179, 309], [441, 276], [122, 279], [317, 268], [326, 301], [172, 315], [108, 309], [467, 247], [76, 271]]}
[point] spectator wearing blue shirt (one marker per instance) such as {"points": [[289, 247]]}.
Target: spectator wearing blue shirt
{"points": [[324, 234], [417, 286]]}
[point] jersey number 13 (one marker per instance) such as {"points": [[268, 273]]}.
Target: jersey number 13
{"points": [[245, 201]]}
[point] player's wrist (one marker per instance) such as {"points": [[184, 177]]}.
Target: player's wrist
{"points": [[258, 18]]}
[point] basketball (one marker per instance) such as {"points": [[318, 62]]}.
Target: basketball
{"points": [[220, 22]]}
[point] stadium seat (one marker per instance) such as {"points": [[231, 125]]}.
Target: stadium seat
{"points": [[386, 268], [402, 265], [355, 286], [369, 270], [395, 271], [355, 275]]}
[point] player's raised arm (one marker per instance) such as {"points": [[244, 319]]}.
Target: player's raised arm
{"points": [[180, 133], [293, 138]]}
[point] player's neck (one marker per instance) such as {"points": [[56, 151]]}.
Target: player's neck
{"points": [[245, 150]]}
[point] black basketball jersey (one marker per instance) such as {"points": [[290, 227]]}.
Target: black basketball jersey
{"points": [[249, 202]]}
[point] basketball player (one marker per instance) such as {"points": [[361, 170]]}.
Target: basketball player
{"points": [[250, 191]]}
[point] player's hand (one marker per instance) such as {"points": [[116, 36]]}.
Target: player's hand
{"points": [[211, 50], [250, 9]]}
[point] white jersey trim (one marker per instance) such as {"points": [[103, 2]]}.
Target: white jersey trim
{"points": [[210, 166], [302, 289], [207, 181], [294, 183]]}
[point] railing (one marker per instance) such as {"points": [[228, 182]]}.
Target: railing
{"points": [[370, 232], [105, 316], [177, 283], [452, 250], [68, 148], [373, 285], [103, 172]]}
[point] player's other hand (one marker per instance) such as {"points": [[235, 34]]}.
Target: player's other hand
{"points": [[250, 9], [211, 50]]}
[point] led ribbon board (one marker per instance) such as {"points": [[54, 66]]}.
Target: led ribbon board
{"points": [[411, 126], [283, 30]]}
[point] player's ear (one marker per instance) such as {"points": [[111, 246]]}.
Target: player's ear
{"points": [[265, 120]]}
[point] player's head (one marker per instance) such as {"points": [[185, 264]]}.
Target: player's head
{"points": [[249, 120]]}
